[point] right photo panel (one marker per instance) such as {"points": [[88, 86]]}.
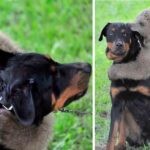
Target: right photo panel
{"points": [[122, 71]]}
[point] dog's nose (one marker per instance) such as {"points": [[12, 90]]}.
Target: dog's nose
{"points": [[119, 44]]}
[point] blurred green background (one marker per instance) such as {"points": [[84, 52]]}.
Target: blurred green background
{"points": [[61, 29], [109, 11]]}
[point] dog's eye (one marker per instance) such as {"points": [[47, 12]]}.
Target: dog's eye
{"points": [[141, 24], [16, 91]]}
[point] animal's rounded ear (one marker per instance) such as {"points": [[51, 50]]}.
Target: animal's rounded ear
{"points": [[139, 37], [133, 26], [23, 104], [103, 32], [130, 25]]}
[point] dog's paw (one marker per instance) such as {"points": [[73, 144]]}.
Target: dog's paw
{"points": [[4, 116], [120, 147]]}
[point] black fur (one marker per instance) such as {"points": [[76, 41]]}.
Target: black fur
{"points": [[4, 148], [29, 80], [135, 102], [114, 36]]}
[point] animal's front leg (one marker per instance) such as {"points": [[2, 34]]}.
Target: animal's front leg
{"points": [[122, 135], [114, 127], [8, 127]]}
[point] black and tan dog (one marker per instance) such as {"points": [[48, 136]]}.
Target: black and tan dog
{"points": [[130, 98], [32, 86]]}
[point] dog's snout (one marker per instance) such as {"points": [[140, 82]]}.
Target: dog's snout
{"points": [[119, 44]]}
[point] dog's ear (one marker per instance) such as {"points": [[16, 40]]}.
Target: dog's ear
{"points": [[139, 37], [4, 57], [23, 104], [136, 34], [103, 32]]}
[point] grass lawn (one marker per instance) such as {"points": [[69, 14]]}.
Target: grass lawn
{"points": [[109, 11], [61, 29]]}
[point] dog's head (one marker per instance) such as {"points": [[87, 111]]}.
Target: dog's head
{"points": [[142, 24], [33, 86], [120, 40]]}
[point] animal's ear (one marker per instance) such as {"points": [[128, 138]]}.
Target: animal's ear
{"points": [[4, 57], [23, 104], [139, 37], [103, 32]]}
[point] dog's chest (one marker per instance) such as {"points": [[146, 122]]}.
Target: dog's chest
{"points": [[133, 96], [130, 87]]}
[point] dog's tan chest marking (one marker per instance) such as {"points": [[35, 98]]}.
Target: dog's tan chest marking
{"points": [[140, 89], [116, 90]]}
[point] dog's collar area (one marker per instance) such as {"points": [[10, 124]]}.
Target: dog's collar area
{"points": [[5, 107], [8, 108]]}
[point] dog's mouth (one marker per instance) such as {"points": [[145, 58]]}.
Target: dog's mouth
{"points": [[76, 89], [116, 56], [6, 107], [75, 97], [119, 53]]}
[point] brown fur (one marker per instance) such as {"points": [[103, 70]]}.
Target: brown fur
{"points": [[116, 90], [18, 137]]}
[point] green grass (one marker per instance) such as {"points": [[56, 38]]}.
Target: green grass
{"points": [[109, 11], [61, 29]]}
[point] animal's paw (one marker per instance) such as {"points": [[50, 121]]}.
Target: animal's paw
{"points": [[120, 147], [6, 120], [112, 73]]}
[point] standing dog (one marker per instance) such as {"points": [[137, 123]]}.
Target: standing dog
{"points": [[130, 98], [31, 87]]}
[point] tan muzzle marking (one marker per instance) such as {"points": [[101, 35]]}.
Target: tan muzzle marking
{"points": [[68, 93]]}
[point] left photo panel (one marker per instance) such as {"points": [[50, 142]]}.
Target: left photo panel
{"points": [[46, 75]]}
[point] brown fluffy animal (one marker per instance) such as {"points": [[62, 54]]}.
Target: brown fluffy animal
{"points": [[140, 68]]}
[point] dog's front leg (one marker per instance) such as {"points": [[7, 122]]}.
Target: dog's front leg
{"points": [[114, 127], [122, 135]]}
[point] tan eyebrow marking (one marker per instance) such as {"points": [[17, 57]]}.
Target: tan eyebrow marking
{"points": [[69, 92]]}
